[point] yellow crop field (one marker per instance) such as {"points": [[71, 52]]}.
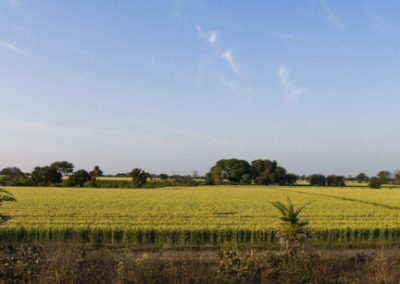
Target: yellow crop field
{"points": [[197, 214]]}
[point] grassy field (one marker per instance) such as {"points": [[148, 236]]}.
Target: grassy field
{"points": [[198, 215]]}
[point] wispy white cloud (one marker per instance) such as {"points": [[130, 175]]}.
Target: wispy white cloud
{"points": [[210, 37], [287, 36], [284, 79], [295, 93], [381, 24], [153, 60], [228, 57], [332, 16], [283, 75], [230, 85], [12, 47]]}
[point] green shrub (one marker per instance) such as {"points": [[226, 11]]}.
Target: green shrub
{"points": [[78, 178], [375, 182]]}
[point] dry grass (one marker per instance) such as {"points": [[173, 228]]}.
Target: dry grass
{"points": [[73, 263]]}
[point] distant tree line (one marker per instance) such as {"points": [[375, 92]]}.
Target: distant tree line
{"points": [[383, 177], [225, 171], [61, 173], [51, 175]]}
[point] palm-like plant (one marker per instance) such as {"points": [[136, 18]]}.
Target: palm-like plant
{"points": [[4, 197], [293, 232]]}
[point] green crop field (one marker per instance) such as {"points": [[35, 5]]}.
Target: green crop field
{"points": [[197, 215]]}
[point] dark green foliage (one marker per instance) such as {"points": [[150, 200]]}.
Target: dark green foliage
{"points": [[63, 167], [79, 178], [317, 179], [375, 182], [245, 179], [12, 172], [97, 172], [13, 176], [20, 181], [397, 176], [279, 176], [149, 184], [264, 171], [290, 179], [100, 183], [231, 170], [361, 177], [384, 177], [333, 180], [209, 179], [181, 181], [45, 176], [93, 176], [139, 177], [163, 176]]}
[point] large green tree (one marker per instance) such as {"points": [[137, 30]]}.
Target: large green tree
{"points": [[333, 180], [45, 176], [139, 177], [361, 177], [63, 167], [13, 176], [384, 177], [317, 179], [266, 172], [12, 172], [234, 171], [263, 171], [375, 182], [97, 172], [78, 178]]}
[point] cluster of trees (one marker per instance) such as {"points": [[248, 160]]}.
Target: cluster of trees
{"points": [[51, 175], [261, 172], [383, 177], [330, 180]]}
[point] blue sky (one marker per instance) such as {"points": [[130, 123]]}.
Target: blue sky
{"points": [[176, 85]]}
